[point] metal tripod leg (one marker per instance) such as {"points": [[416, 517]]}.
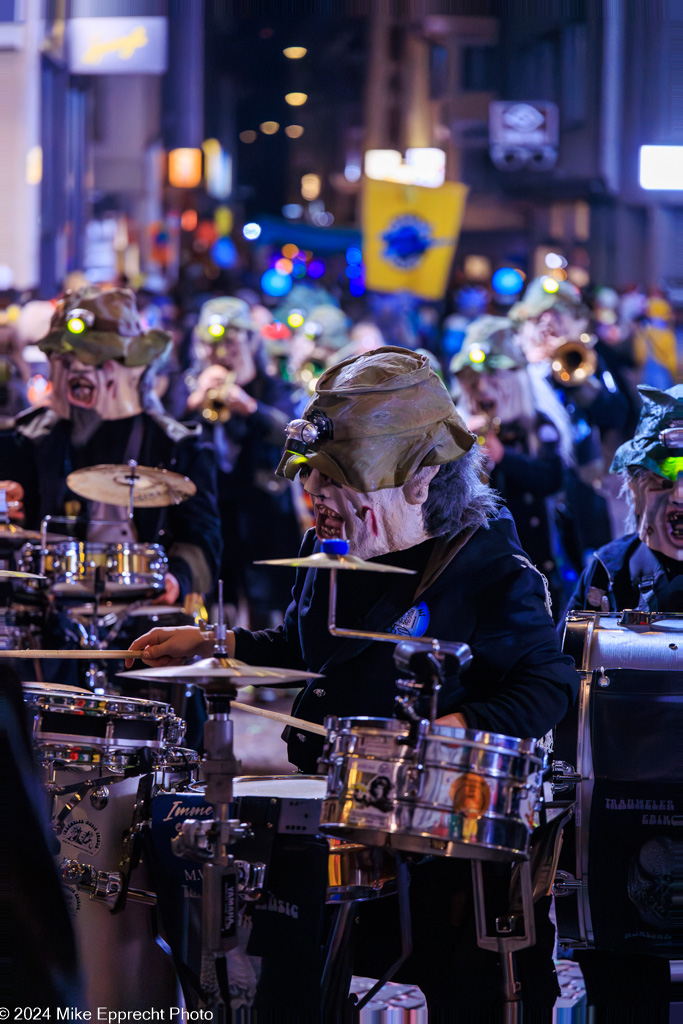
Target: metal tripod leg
{"points": [[333, 972], [506, 941]]}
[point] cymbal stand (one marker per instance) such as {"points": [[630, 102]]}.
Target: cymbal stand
{"points": [[131, 480], [209, 841]]}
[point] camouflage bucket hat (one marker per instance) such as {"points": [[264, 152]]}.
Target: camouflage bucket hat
{"points": [[96, 326], [375, 420], [218, 314], [489, 344], [659, 434], [544, 293]]}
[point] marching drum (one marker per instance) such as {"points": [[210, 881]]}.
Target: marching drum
{"points": [[623, 852], [454, 793], [105, 759]]}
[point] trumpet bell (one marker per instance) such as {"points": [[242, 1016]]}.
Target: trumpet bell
{"points": [[574, 363]]}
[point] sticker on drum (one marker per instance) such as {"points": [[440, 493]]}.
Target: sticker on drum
{"points": [[371, 790]]}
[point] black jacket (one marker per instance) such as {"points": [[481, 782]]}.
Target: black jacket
{"points": [[39, 455], [627, 574], [488, 596]]}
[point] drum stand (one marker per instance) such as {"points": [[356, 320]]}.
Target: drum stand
{"points": [[208, 841]]}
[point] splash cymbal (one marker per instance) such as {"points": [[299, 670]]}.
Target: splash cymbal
{"points": [[216, 670], [13, 536], [323, 560], [153, 488], [12, 575]]}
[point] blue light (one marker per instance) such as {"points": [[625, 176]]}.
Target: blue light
{"points": [[251, 231], [507, 281], [298, 269], [316, 268], [353, 271], [357, 286], [276, 284], [354, 255], [224, 253]]}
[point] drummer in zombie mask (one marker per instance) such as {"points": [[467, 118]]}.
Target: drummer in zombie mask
{"points": [[391, 468], [644, 568], [103, 411]]}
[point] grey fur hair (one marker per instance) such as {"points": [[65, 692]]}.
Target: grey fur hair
{"points": [[458, 498], [626, 493]]}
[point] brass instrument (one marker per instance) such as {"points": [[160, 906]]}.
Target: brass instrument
{"points": [[214, 408], [574, 362]]}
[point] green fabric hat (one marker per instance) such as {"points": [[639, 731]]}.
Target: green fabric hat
{"points": [[489, 344], [566, 297], [661, 411], [381, 417], [227, 311], [108, 325]]}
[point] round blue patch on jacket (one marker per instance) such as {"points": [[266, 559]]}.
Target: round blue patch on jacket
{"points": [[414, 622]]}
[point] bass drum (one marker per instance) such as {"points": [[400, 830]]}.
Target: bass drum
{"points": [[104, 761], [620, 865]]}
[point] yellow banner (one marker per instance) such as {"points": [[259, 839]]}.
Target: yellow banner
{"points": [[409, 236]]}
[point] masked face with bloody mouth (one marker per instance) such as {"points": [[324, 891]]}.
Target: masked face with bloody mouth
{"points": [[110, 391], [659, 510], [375, 522]]}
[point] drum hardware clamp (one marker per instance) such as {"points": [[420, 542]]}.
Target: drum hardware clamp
{"points": [[103, 886], [563, 776], [565, 884]]}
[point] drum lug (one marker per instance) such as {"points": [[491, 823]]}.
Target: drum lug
{"points": [[565, 884], [102, 886], [563, 776], [99, 798], [250, 879]]}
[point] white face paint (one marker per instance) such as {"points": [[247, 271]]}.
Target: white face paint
{"points": [[111, 390], [659, 511], [373, 523]]}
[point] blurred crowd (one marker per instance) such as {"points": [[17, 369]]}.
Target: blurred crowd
{"points": [[548, 383]]}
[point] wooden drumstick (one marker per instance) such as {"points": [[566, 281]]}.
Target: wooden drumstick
{"points": [[298, 723], [87, 655]]}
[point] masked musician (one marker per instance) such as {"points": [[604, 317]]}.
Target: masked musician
{"points": [[552, 317], [525, 432], [390, 467], [644, 568], [244, 409], [102, 410]]}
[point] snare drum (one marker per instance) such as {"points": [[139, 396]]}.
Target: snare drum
{"points": [[70, 566], [456, 793], [135, 569], [95, 753]]}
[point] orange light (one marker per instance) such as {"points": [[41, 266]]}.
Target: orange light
{"points": [[269, 127], [295, 52], [185, 168], [294, 131], [290, 250], [248, 136], [296, 99], [284, 266], [188, 220]]}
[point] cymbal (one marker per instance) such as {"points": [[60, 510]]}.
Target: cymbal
{"points": [[12, 536], [220, 670], [153, 488], [11, 574], [321, 560]]}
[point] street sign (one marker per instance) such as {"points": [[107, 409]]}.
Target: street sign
{"points": [[523, 134]]}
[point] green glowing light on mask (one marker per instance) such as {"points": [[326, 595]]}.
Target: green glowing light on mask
{"points": [[670, 468], [477, 355], [216, 330], [76, 325]]}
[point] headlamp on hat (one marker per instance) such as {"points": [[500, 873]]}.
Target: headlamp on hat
{"points": [[78, 319], [301, 434], [477, 354], [216, 327], [672, 436]]}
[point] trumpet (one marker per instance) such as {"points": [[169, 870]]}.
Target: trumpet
{"points": [[574, 362], [214, 408]]}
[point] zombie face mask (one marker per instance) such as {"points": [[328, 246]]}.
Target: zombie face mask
{"points": [[111, 391], [658, 501]]}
